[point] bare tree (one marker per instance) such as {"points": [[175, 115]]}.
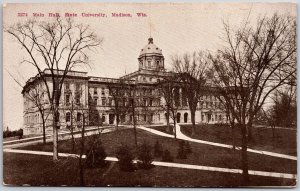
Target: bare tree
{"points": [[255, 61], [132, 105], [169, 89], [36, 96], [192, 69], [58, 46], [118, 92]]}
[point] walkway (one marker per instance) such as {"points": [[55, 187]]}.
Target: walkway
{"points": [[181, 136], [62, 136], [168, 164]]}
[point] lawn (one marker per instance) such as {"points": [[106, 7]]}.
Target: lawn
{"points": [[285, 140], [162, 128], [202, 154], [23, 169]]}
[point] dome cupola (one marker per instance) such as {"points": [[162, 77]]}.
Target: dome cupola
{"points": [[151, 57]]}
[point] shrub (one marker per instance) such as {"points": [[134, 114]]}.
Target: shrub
{"points": [[167, 157], [20, 133], [125, 158], [158, 150], [181, 151], [144, 156], [95, 154]]}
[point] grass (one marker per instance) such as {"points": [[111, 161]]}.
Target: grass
{"points": [[34, 170], [202, 154], [162, 128], [285, 141]]}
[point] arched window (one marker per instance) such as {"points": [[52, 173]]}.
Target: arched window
{"points": [[178, 117], [185, 117], [68, 117]]}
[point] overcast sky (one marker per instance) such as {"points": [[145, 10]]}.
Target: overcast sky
{"points": [[175, 28]]}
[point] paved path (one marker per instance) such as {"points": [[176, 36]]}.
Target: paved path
{"points": [[180, 135], [168, 164], [63, 136]]}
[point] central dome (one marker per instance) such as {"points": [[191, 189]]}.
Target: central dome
{"points": [[150, 48]]}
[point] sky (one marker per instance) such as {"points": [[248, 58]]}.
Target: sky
{"points": [[175, 28]]}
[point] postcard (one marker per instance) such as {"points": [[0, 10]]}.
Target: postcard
{"points": [[150, 94]]}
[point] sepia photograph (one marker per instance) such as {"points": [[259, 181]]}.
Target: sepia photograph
{"points": [[150, 95]]}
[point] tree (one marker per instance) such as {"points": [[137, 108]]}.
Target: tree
{"points": [[36, 96], [255, 61], [118, 92], [58, 46], [131, 92], [284, 110], [192, 70], [169, 89]]}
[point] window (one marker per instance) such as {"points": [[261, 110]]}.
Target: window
{"points": [[102, 91], [68, 99], [68, 117], [95, 91], [67, 86], [144, 78], [96, 101], [149, 63], [151, 102], [78, 116], [77, 99], [103, 101], [150, 79], [157, 63]]}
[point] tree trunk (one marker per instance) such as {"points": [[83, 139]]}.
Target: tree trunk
{"points": [[249, 128], [117, 121], [233, 135], [134, 125], [73, 140], [55, 136], [44, 130], [168, 120], [81, 165], [193, 122], [174, 129], [244, 155], [72, 135]]}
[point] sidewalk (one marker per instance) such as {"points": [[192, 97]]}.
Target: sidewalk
{"points": [[181, 136], [61, 136], [168, 164]]}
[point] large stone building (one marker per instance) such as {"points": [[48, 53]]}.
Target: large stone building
{"points": [[97, 96]]}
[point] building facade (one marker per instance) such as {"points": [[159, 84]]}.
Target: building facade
{"points": [[133, 96]]}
